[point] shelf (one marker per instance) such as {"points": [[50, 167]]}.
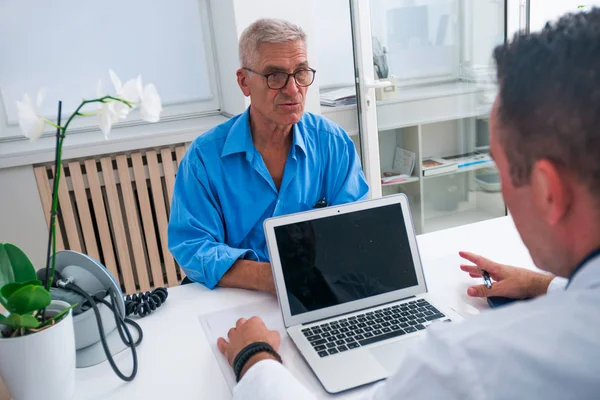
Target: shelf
{"points": [[435, 91], [418, 106], [464, 169], [409, 180]]}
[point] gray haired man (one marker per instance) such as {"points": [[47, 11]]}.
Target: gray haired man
{"points": [[273, 159]]}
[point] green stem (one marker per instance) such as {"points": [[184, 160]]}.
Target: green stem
{"points": [[54, 208], [57, 174]]}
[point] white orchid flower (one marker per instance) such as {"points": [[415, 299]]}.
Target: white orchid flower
{"points": [[151, 106], [107, 115], [30, 120], [131, 92]]}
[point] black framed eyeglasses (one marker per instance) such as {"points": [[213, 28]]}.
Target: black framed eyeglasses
{"points": [[279, 80]]}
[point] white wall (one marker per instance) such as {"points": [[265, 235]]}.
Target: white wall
{"points": [[547, 10], [22, 220]]}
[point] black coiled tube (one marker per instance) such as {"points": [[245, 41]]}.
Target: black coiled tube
{"points": [[142, 304]]}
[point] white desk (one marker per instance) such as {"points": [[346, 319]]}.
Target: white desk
{"points": [[177, 362]]}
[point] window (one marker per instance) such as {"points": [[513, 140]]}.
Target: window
{"points": [[420, 39], [67, 46]]}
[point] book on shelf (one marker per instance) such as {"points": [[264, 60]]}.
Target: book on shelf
{"points": [[470, 159], [404, 165], [443, 165], [390, 177], [436, 165]]}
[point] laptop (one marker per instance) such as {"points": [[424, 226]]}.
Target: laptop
{"points": [[351, 288]]}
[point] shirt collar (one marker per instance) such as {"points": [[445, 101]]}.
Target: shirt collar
{"points": [[239, 138], [299, 138], [587, 272]]}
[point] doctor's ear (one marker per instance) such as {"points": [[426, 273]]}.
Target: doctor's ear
{"points": [[552, 189], [243, 79]]}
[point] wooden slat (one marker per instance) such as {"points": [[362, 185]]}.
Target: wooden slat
{"points": [[133, 223], [147, 220], [161, 213], [67, 214], [169, 170], [41, 177], [87, 228], [108, 252], [179, 153], [116, 218]]}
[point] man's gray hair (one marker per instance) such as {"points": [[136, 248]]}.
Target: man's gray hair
{"points": [[266, 30]]}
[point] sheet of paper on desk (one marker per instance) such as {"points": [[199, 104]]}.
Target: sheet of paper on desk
{"points": [[218, 324]]}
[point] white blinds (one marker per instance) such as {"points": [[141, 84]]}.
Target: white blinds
{"points": [[67, 45]]}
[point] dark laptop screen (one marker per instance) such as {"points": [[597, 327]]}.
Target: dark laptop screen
{"points": [[346, 257]]}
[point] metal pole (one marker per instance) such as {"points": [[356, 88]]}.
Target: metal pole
{"points": [[527, 16]]}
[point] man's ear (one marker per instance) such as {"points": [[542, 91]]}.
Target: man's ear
{"points": [[552, 191], [243, 81]]}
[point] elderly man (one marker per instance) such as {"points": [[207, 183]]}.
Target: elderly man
{"points": [[545, 139], [273, 159]]}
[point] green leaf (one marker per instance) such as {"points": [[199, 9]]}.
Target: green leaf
{"points": [[6, 271], [19, 321], [22, 267], [28, 299], [9, 289]]}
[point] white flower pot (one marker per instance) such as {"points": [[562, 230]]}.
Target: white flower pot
{"points": [[41, 366]]}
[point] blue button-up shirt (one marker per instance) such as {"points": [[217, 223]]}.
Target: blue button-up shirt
{"points": [[224, 192]]}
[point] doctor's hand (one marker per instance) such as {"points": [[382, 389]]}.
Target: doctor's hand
{"points": [[513, 282], [244, 333]]}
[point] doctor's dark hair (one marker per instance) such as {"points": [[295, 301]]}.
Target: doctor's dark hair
{"points": [[549, 99]]}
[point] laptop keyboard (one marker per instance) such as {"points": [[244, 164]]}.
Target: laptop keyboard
{"points": [[374, 326]]}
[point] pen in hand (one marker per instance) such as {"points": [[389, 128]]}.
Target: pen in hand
{"points": [[486, 279]]}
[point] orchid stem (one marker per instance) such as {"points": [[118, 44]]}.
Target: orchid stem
{"points": [[60, 137], [52, 234]]}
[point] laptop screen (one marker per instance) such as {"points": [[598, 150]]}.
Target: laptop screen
{"points": [[345, 257]]}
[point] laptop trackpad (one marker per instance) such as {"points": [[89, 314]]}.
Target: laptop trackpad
{"points": [[391, 355]]}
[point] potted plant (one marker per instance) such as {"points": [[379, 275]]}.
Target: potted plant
{"points": [[37, 344]]}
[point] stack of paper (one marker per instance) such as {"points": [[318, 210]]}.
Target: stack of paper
{"points": [[339, 97]]}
